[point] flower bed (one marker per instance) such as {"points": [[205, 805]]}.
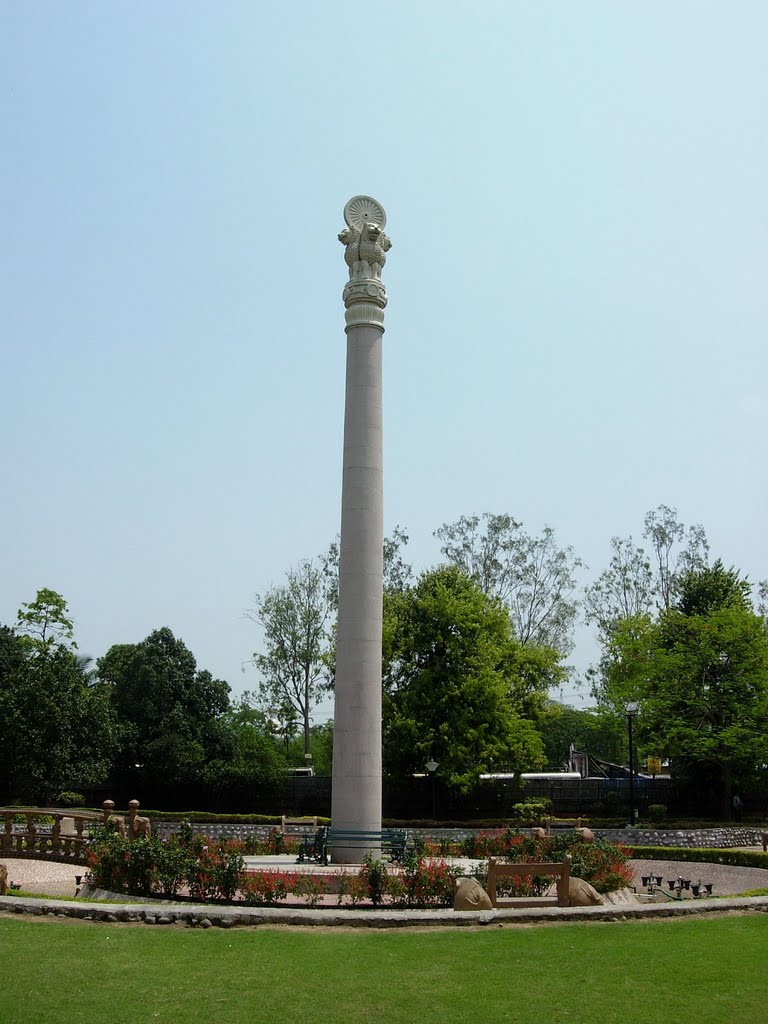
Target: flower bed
{"points": [[215, 870], [604, 865]]}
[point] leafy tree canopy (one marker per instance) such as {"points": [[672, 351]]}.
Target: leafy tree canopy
{"points": [[248, 756], [168, 710], [638, 582], [294, 655], [532, 576], [699, 674], [11, 651], [599, 733], [449, 692], [56, 728], [45, 624]]}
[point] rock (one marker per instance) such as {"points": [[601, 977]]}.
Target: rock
{"points": [[582, 894], [164, 920], [205, 922], [470, 895], [586, 835], [539, 833]]}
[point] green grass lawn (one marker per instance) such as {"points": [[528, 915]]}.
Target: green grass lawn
{"points": [[705, 971]]}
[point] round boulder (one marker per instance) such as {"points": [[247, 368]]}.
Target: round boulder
{"points": [[470, 895], [582, 894]]}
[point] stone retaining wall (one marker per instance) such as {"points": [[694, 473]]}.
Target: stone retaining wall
{"points": [[718, 838], [227, 917], [703, 838]]}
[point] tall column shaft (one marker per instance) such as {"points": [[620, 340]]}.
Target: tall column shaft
{"points": [[356, 792], [356, 800]]}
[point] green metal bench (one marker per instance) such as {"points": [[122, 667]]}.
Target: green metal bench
{"points": [[314, 846], [395, 842]]}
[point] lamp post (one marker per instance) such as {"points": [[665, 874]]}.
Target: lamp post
{"points": [[431, 767], [632, 710]]}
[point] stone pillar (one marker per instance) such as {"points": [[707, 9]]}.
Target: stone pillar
{"points": [[356, 793]]}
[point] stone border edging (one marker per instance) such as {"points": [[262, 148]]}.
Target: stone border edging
{"points": [[724, 838], [227, 917]]}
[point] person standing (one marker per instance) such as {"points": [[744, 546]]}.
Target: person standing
{"points": [[736, 803]]}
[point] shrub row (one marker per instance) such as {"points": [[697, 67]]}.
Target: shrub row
{"points": [[212, 869], [736, 858]]}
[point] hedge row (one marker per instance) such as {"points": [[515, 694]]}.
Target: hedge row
{"points": [[736, 858]]}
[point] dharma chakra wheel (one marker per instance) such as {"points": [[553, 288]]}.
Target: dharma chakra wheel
{"points": [[364, 210]]}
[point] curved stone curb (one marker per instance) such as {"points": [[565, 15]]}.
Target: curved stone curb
{"points": [[200, 915]]}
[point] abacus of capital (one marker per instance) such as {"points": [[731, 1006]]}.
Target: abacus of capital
{"points": [[356, 790]]}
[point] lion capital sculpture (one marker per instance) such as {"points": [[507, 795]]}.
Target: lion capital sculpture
{"points": [[365, 252]]}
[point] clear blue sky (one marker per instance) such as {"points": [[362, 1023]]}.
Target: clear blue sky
{"points": [[576, 333]]}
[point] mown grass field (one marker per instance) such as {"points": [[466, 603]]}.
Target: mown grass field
{"points": [[703, 971]]}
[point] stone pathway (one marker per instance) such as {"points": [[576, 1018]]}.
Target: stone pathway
{"points": [[44, 876]]}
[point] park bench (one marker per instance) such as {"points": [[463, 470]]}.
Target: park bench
{"points": [[394, 842], [560, 871], [303, 829], [559, 824], [314, 846], [297, 828]]}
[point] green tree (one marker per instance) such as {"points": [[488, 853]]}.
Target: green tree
{"points": [[56, 724], [700, 676], [249, 758], [533, 576], [55, 731], [45, 624], [622, 591], [397, 572], [448, 688], [168, 711], [676, 550], [293, 663], [598, 733], [321, 748], [11, 651], [637, 582]]}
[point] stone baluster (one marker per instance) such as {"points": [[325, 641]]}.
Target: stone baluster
{"points": [[56, 833], [79, 837], [133, 810], [6, 840], [108, 808]]}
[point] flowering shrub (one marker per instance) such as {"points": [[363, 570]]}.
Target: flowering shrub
{"points": [[423, 883], [600, 863], [144, 865], [496, 843], [442, 847], [374, 876], [218, 872], [266, 888], [123, 865], [353, 888], [310, 887], [172, 867]]}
